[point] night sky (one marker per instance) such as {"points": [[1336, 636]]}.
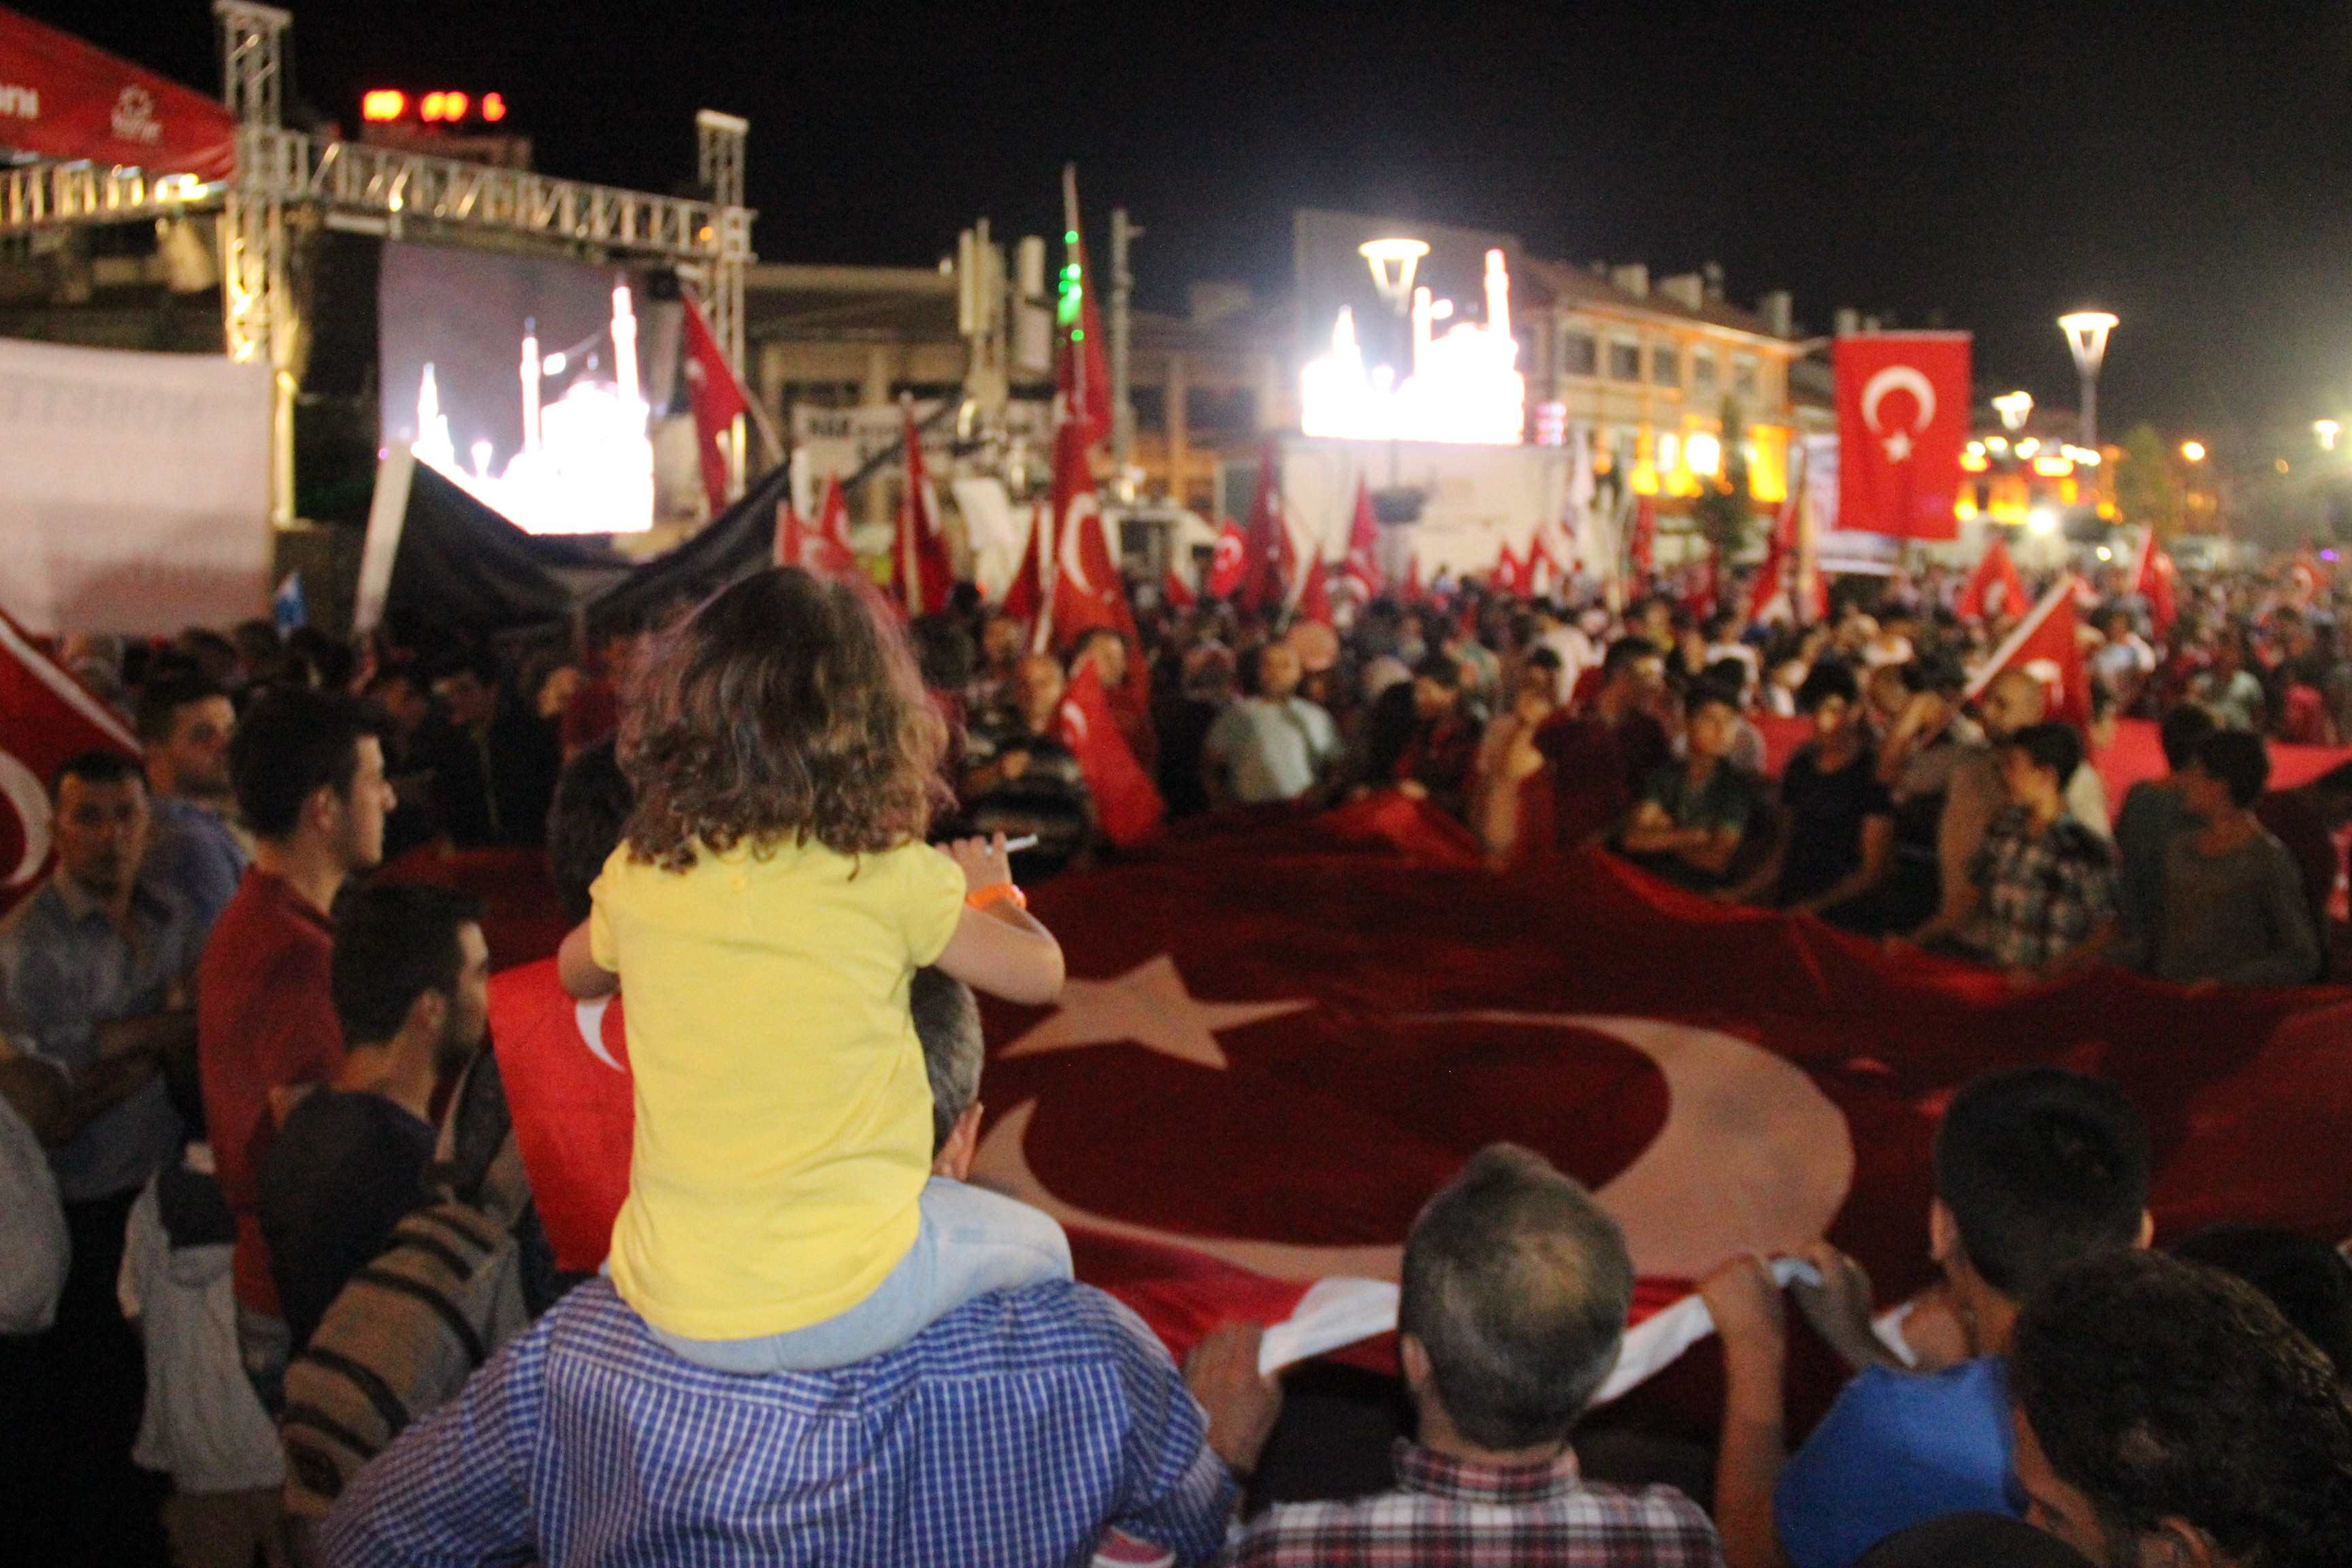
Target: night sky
{"points": [[2185, 166]]}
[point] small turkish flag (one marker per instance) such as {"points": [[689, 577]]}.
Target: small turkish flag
{"points": [[1228, 563], [1025, 595], [1363, 569], [2154, 581], [1088, 591], [46, 718], [1996, 575], [717, 400], [1126, 801], [1903, 417], [2046, 645], [921, 557], [1267, 555]]}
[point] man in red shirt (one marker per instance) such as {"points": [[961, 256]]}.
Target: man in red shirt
{"points": [[309, 772]]}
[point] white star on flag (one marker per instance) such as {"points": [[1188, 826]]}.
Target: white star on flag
{"points": [[1150, 1007], [1898, 447]]}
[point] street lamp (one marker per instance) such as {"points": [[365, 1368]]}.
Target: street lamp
{"points": [[2014, 409], [2327, 430], [1393, 263], [2192, 451], [2086, 334]]}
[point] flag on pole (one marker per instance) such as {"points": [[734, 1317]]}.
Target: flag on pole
{"points": [[1025, 596], [1772, 594], [920, 556], [1126, 801], [1362, 570], [1266, 568], [2046, 645], [1084, 373], [1415, 590], [2154, 579], [718, 399], [1229, 562], [1644, 534], [1088, 590], [47, 717], [1314, 590], [1993, 589], [1903, 418]]}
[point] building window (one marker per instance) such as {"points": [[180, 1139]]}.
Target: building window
{"points": [[1579, 354], [1667, 365], [1624, 360], [1744, 381], [1221, 410], [1702, 378], [1151, 405]]}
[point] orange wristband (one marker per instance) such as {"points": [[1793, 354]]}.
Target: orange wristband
{"points": [[996, 893]]}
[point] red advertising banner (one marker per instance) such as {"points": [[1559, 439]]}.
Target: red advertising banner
{"points": [[63, 99], [1903, 417]]}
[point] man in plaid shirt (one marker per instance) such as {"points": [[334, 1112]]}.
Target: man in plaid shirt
{"points": [[1515, 1290], [2041, 886]]}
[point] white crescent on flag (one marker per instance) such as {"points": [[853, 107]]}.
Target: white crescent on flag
{"points": [[30, 803], [1900, 378], [1083, 506]]}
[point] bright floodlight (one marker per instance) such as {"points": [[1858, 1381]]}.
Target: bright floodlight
{"points": [[2014, 409], [1393, 263], [1702, 453], [2042, 520], [2192, 451], [2327, 430]]}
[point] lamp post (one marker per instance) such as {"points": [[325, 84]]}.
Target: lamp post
{"points": [[2014, 409], [2327, 430], [2086, 334]]}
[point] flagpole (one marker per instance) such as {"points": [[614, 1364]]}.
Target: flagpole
{"points": [[2015, 640]]}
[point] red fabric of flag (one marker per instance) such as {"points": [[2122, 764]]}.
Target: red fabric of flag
{"points": [[717, 400], [1024, 596], [46, 718], [1265, 545], [1087, 588], [2047, 647], [1083, 372], [1994, 588], [2155, 580], [1903, 419], [1127, 803], [1363, 569], [920, 555]]}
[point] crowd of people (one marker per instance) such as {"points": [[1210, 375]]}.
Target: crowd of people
{"points": [[258, 1150]]}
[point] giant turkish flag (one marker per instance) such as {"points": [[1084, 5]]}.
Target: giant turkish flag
{"points": [[1903, 418], [66, 100], [47, 717], [1275, 1044]]}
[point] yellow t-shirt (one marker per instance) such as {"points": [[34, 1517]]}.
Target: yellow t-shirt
{"points": [[783, 1118]]}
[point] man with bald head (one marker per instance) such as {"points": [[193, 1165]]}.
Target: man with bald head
{"points": [[2013, 700], [1019, 778]]}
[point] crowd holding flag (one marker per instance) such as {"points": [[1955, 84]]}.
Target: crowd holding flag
{"points": [[1363, 567], [47, 717]]}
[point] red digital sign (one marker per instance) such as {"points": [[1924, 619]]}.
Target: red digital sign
{"points": [[389, 105]]}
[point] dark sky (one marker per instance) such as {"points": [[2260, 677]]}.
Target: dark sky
{"points": [[2188, 165]]}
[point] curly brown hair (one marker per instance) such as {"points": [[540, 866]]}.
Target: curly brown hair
{"points": [[786, 708]]}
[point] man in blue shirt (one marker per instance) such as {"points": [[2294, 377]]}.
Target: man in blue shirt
{"points": [[184, 724], [1017, 1430], [94, 977], [2036, 1169]]}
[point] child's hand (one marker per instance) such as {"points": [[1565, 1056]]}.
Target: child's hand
{"points": [[985, 862]]}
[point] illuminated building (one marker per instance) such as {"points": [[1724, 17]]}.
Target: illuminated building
{"points": [[1463, 386]]}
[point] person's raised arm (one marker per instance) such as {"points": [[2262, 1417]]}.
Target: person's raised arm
{"points": [[1754, 1447], [999, 946]]}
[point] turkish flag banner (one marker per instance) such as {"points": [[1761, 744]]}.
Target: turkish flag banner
{"points": [[2155, 581], [1301, 1029], [1994, 588], [1087, 589], [565, 1067], [1025, 595], [1903, 419], [920, 555], [68, 101], [2047, 645], [717, 400], [1267, 555], [46, 718], [1363, 569], [1228, 561], [1126, 800]]}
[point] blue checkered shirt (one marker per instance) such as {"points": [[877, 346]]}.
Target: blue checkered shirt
{"points": [[1013, 1431]]}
